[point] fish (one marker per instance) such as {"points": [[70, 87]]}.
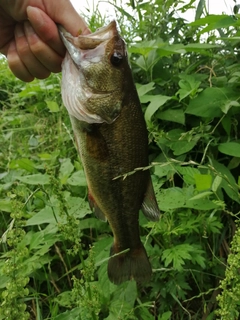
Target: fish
{"points": [[111, 136]]}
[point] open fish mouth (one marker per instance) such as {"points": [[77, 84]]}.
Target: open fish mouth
{"points": [[80, 91]]}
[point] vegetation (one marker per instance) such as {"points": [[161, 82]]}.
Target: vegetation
{"points": [[53, 252]]}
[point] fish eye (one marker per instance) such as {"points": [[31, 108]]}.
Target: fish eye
{"points": [[116, 59]]}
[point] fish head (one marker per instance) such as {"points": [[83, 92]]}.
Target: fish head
{"points": [[93, 74]]}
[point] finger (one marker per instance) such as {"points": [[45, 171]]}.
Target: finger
{"points": [[46, 29], [16, 65], [44, 54], [65, 14], [33, 65]]}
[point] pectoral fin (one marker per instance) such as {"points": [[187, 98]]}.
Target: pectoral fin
{"points": [[150, 206], [95, 208]]}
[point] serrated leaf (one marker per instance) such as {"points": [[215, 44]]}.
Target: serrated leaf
{"points": [[35, 179], [176, 256], [230, 148]]}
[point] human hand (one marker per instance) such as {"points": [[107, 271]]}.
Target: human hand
{"points": [[29, 36]]}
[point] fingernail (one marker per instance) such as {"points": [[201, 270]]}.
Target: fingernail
{"points": [[28, 28], [19, 31]]}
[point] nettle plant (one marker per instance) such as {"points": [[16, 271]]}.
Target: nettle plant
{"points": [[54, 252]]}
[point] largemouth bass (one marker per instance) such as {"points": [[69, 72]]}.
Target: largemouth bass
{"points": [[108, 124]]}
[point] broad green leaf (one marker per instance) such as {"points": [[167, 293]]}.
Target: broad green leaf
{"points": [[72, 314], [209, 102], [203, 181], [230, 148], [228, 105], [188, 86], [52, 106], [23, 163], [77, 179], [145, 88], [65, 170], [174, 115], [175, 198], [155, 103], [35, 179], [165, 316], [188, 173], [182, 146], [5, 205], [45, 215]]}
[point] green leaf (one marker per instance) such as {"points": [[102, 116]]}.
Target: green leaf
{"points": [[228, 183], [176, 256], [230, 148], [155, 103], [188, 86], [35, 179], [215, 21], [174, 115], [5, 205], [45, 215], [65, 170], [216, 183], [209, 102], [52, 106], [203, 181], [70, 314], [199, 10], [77, 179], [165, 316], [23, 163], [182, 146], [145, 88]]}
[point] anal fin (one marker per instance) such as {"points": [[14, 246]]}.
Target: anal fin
{"points": [[95, 208], [150, 206]]}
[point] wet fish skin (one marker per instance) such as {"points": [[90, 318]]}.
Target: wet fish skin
{"points": [[115, 144]]}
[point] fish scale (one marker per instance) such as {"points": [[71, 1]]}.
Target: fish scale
{"points": [[114, 145]]}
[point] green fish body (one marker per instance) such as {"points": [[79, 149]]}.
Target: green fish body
{"points": [[111, 136]]}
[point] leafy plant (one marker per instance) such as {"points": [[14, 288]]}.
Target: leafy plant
{"points": [[53, 252]]}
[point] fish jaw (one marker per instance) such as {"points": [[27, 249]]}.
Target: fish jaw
{"points": [[89, 81]]}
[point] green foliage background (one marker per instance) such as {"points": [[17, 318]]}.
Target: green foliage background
{"points": [[53, 252]]}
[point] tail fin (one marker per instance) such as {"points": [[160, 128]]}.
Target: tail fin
{"points": [[133, 264]]}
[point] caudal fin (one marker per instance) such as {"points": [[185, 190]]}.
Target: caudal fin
{"points": [[133, 264]]}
